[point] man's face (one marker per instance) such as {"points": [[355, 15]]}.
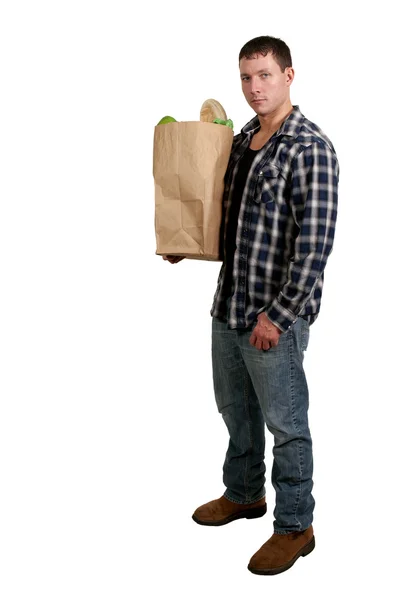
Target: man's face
{"points": [[264, 85]]}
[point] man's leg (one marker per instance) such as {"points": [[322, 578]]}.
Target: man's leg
{"points": [[279, 381], [237, 402], [280, 384], [244, 461]]}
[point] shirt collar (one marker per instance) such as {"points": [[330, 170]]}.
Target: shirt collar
{"points": [[290, 126]]}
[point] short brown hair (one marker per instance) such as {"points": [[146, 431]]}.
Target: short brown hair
{"points": [[265, 44]]}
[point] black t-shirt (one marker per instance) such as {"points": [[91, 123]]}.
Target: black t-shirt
{"points": [[239, 185]]}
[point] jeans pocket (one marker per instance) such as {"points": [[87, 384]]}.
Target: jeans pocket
{"points": [[305, 334]]}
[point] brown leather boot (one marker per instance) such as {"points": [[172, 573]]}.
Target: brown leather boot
{"points": [[223, 511], [281, 551]]}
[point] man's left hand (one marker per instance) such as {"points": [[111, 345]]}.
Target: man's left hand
{"points": [[265, 335]]}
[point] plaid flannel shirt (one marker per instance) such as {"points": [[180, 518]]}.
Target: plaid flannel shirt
{"points": [[285, 228]]}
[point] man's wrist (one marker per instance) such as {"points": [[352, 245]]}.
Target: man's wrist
{"points": [[264, 321], [281, 317]]}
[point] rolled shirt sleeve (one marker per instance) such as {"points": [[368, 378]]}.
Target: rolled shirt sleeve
{"points": [[314, 192]]}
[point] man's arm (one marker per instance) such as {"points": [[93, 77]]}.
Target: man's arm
{"points": [[315, 174]]}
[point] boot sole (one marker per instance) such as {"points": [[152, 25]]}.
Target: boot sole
{"points": [[303, 552], [251, 513]]}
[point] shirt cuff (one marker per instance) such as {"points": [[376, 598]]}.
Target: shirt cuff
{"points": [[280, 316]]}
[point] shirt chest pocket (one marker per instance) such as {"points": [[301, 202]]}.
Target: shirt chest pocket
{"points": [[269, 184]]}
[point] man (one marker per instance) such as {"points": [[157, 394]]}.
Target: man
{"points": [[280, 209]]}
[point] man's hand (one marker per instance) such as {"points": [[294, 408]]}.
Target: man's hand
{"points": [[172, 259], [265, 335]]}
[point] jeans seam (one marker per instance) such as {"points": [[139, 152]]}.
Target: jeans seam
{"points": [[247, 469], [293, 409], [228, 497]]}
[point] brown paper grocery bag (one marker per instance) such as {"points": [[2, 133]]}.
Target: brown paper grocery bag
{"points": [[189, 163]]}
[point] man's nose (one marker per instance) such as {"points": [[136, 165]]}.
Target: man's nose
{"points": [[254, 85]]}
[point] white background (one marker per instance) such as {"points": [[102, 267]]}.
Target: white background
{"points": [[109, 434]]}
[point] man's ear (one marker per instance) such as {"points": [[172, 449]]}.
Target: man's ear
{"points": [[289, 73]]}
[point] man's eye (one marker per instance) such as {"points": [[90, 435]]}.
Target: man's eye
{"points": [[264, 74]]}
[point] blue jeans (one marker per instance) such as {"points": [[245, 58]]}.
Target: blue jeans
{"points": [[254, 388]]}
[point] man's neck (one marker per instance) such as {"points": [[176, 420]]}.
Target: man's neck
{"points": [[273, 121]]}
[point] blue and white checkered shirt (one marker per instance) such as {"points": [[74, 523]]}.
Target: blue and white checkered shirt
{"points": [[285, 228]]}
